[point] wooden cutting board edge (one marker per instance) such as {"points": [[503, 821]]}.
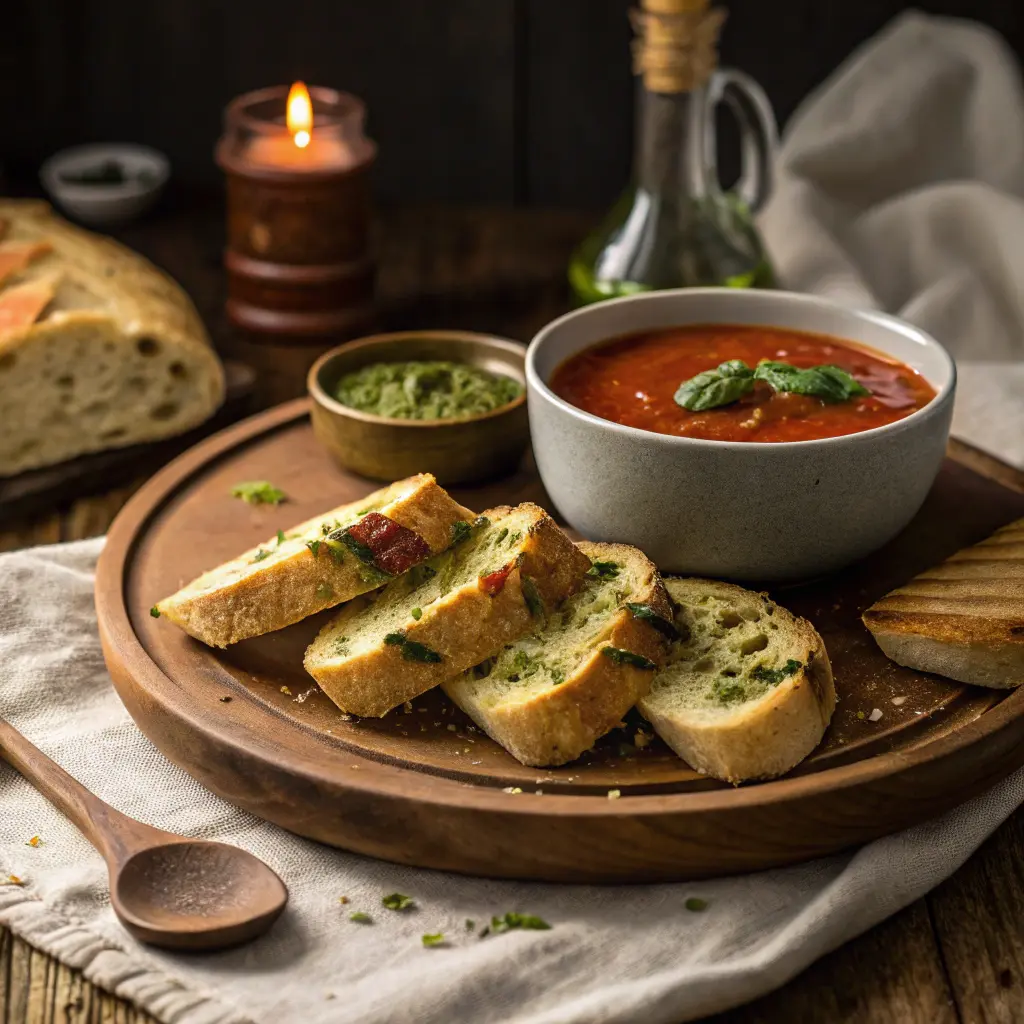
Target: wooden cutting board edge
{"points": [[480, 830]]}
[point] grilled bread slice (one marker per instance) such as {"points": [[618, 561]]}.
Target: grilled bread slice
{"points": [[964, 619], [319, 563], [551, 695], [747, 692], [512, 568]]}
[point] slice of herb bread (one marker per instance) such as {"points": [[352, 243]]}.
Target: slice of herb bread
{"points": [[551, 695], [503, 575], [319, 563], [747, 692]]}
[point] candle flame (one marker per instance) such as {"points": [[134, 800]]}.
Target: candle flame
{"points": [[299, 114]]}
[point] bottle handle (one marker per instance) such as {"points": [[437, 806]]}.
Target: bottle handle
{"points": [[759, 133]]}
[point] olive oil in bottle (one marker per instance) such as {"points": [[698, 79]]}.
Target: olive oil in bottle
{"points": [[675, 226]]}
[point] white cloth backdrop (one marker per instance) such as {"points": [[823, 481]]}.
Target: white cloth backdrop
{"points": [[901, 187], [865, 211]]}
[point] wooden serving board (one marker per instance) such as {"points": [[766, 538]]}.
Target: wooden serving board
{"points": [[423, 787]]}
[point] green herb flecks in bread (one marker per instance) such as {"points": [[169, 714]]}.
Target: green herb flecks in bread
{"points": [[319, 563], [747, 691], [549, 696], [501, 577]]}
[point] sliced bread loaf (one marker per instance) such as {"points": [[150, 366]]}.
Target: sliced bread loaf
{"points": [[319, 563], [963, 619], [508, 571], [551, 695], [747, 692]]}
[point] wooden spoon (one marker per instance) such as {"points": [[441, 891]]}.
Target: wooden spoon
{"points": [[165, 889]]}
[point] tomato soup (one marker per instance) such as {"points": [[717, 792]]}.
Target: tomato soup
{"points": [[634, 379]]}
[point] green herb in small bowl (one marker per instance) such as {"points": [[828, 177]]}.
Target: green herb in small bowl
{"points": [[426, 390], [452, 404]]}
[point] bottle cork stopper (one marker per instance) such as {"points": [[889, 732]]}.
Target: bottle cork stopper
{"points": [[676, 45]]}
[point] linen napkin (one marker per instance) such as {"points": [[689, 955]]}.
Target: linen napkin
{"points": [[900, 187], [621, 954]]}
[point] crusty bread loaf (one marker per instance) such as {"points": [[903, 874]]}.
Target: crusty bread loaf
{"points": [[747, 692], [451, 613], [117, 356], [317, 564], [552, 694], [963, 619]]}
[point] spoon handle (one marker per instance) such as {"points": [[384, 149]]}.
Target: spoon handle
{"points": [[112, 833]]}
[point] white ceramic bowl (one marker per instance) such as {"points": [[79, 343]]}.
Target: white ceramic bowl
{"points": [[739, 510], [102, 205]]}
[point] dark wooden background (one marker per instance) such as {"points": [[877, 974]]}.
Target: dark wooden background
{"points": [[495, 101]]}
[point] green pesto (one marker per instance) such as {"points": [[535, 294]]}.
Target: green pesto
{"points": [[435, 390]]}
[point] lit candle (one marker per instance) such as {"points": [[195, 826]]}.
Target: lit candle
{"points": [[295, 145], [299, 258]]}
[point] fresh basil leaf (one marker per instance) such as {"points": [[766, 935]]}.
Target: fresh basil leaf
{"points": [[724, 385], [829, 383], [851, 386], [621, 657], [645, 612], [603, 570], [314, 547]]}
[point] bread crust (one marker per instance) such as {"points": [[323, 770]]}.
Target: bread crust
{"points": [[465, 627], [964, 618], [764, 737], [273, 594], [559, 724], [115, 297]]}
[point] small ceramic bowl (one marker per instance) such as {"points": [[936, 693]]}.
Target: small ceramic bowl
{"points": [[739, 510], [104, 204], [455, 451]]}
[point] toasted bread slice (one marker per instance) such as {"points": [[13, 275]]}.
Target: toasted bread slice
{"points": [[747, 692], [552, 694], [454, 611], [964, 619], [319, 563]]}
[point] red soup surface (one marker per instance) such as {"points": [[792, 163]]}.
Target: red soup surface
{"points": [[632, 380]]}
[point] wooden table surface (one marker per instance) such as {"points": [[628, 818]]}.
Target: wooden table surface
{"points": [[956, 955]]}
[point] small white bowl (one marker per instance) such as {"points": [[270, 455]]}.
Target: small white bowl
{"points": [[740, 510], [102, 205]]}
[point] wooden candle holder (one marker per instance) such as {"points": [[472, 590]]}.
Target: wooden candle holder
{"points": [[299, 258]]}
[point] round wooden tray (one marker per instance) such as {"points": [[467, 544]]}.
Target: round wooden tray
{"points": [[422, 787]]}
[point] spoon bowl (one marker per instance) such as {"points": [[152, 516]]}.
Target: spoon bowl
{"points": [[192, 894], [166, 890]]}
